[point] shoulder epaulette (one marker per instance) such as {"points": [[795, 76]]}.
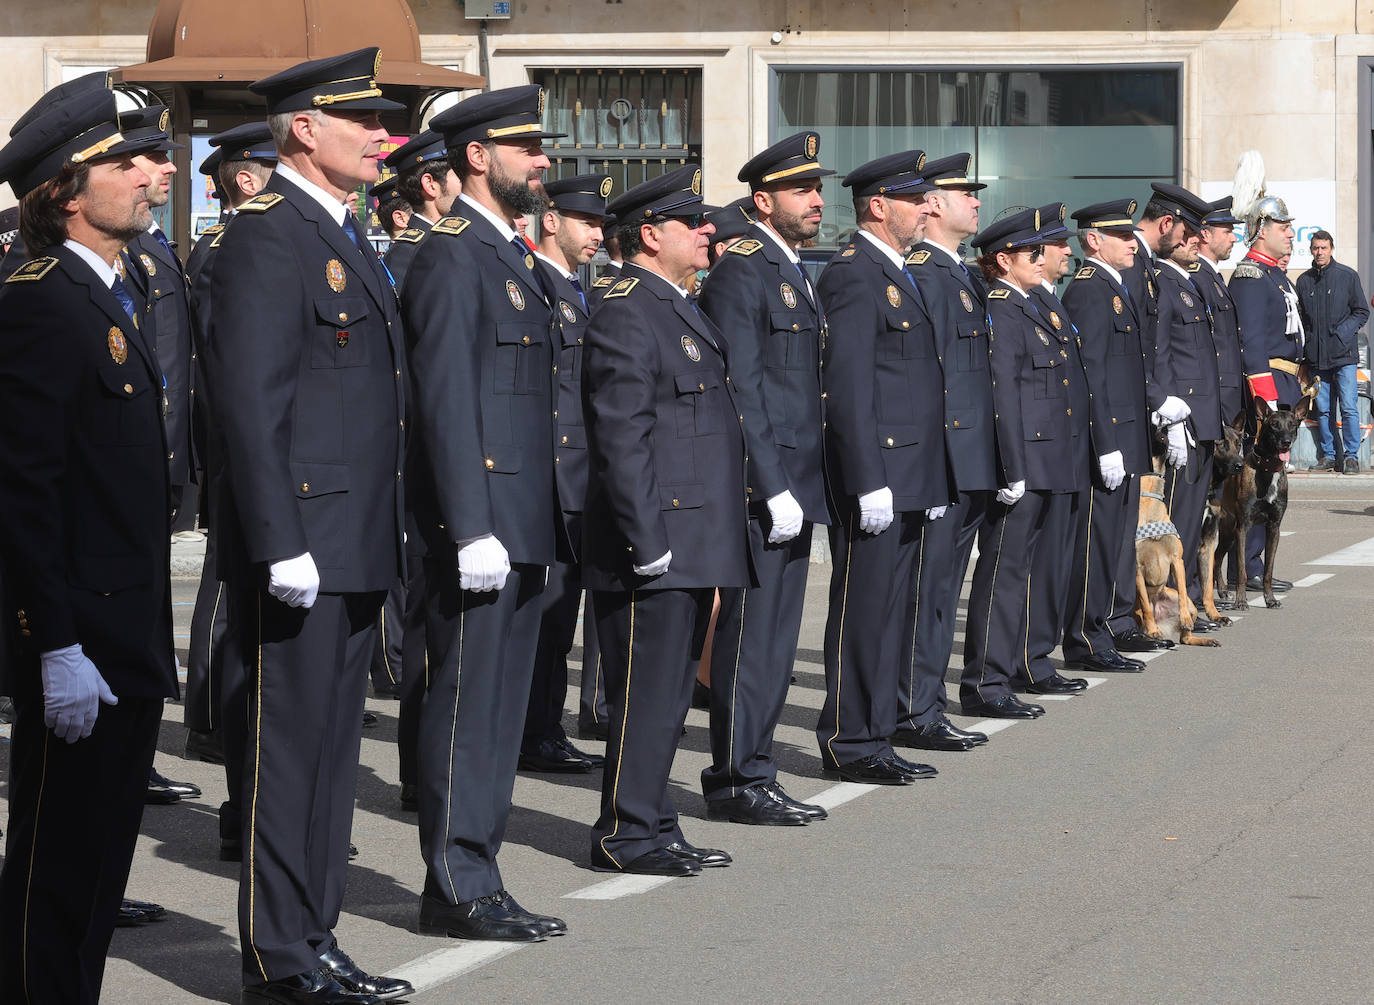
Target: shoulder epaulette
{"points": [[1195, 267], [745, 247], [451, 225], [1247, 270], [918, 258], [32, 270], [212, 230], [261, 203], [603, 282], [999, 294], [411, 236], [621, 289], [214, 241], [1085, 273]]}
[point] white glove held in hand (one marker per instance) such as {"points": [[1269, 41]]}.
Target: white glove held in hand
{"points": [[483, 565], [1174, 409], [935, 512], [294, 581], [1113, 469], [1177, 453], [657, 567], [1011, 493], [72, 692], [875, 510], [786, 515]]}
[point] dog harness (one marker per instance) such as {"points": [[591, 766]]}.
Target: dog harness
{"points": [[1156, 528]]}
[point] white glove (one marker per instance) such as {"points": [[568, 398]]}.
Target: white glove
{"points": [[786, 515], [72, 692], [935, 512], [1174, 409], [1113, 469], [1011, 493], [657, 567], [1177, 453], [294, 581], [483, 565], [875, 510]]}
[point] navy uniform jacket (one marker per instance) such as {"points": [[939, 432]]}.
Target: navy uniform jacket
{"points": [[1143, 283], [478, 329], [1109, 338], [884, 383], [665, 444], [962, 332], [602, 284], [570, 447], [1031, 389], [1185, 355], [158, 276], [1089, 410], [763, 307], [1257, 290], [307, 385], [200, 251], [403, 247], [83, 481], [1225, 337]]}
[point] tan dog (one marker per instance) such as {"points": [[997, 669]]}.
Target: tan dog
{"points": [[1158, 556]]}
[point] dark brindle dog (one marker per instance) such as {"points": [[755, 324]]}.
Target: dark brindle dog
{"points": [[1228, 458], [1259, 494]]}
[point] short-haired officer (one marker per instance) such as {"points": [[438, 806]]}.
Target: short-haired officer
{"points": [[425, 180]]}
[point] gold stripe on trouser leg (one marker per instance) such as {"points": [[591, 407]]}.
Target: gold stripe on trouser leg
{"points": [[1087, 565], [839, 643], [453, 738], [33, 850], [992, 593], [624, 725], [734, 687], [911, 667], [1025, 639], [253, 810], [209, 649], [386, 656]]}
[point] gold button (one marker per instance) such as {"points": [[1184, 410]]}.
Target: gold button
{"points": [[171, 455], [343, 316], [555, 460], [526, 340], [727, 380], [22, 614], [403, 423], [748, 491], [825, 395], [906, 324], [128, 389], [555, 368], [741, 418], [796, 328], [701, 386], [956, 423], [565, 439], [579, 341], [1066, 382], [1113, 419], [398, 374], [555, 413], [490, 463], [305, 486], [398, 476], [675, 502], [1068, 411], [26, 632], [889, 442]]}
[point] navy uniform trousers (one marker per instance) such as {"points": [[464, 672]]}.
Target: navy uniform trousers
{"points": [[591, 705], [1103, 565], [1047, 589], [414, 661]]}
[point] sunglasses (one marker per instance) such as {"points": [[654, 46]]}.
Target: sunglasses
{"points": [[1034, 251], [690, 222]]}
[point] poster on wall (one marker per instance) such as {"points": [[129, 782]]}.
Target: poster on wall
{"points": [[204, 205]]}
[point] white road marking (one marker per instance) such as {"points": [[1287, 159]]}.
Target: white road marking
{"points": [[1356, 554], [1094, 681], [1050, 697], [620, 886], [990, 726], [443, 965], [840, 793], [1314, 579], [1146, 657], [1287, 533]]}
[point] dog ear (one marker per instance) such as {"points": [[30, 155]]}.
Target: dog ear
{"points": [[1300, 411], [1262, 409], [1238, 423]]}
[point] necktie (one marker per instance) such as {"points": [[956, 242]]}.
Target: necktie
{"points": [[920, 298], [580, 295], [162, 240], [121, 293], [350, 226]]}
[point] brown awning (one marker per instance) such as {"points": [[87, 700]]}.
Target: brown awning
{"points": [[241, 70]]}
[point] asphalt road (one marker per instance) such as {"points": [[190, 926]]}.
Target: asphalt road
{"points": [[1196, 833]]}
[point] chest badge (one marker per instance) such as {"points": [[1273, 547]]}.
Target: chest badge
{"points": [[1187, 300], [690, 347], [119, 350], [789, 295], [966, 300], [342, 339], [1054, 320], [567, 312], [148, 265], [334, 275], [893, 297], [1043, 337], [517, 298], [529, 262], [1116, 304]]}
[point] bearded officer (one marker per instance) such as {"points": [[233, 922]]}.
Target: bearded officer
{"points": [[310, 529], [666, 515], [759, 293]]}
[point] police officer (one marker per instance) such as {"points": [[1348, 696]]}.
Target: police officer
{"points": [[1215, 242], [666, 517], [478, 322], [84, 543], [310, 529], [1108, 318], [570, 233], [393, 212], [425, 180], [885, 463]]}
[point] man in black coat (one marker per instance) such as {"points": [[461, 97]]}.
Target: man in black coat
{"points": [[482, 493], [307, 379], [885, 464], [84, 544], [1334, 310], [759, 296], [666, 516]]}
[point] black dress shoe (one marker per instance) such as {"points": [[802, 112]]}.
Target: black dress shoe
{"points": [[555, 758], [1105, 662], [150, 912], [1139, 664], [937, 735], [369, 719], [596, 759], [871, 770], [484, 918], [184, 790], [128, 917], [1057, 684], [1133, 640], [159, 792], [1255, 584], [1203, 624], [701, 695], [352, 851], [1004, 706], [659, 862], [550, 924], [387, 692], [810, 810], [910, 768], [977, 738], [208, 747], [593, 730], [410, 796], [755, 805], [318, 987], [707, 858], [359, 981]]}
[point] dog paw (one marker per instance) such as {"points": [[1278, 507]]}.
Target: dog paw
{"points": [[1240, 605], [1272, 602], [1224, 621]]}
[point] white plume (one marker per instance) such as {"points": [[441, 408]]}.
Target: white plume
{"points": [[1249, 186]]}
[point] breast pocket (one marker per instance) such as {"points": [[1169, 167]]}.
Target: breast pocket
{"points": [[1123, 338], [522, 364], [787, 339], [904, 336], [338, 340], [1047, 374], [125, 411], [699, 406], [971, 352]]}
